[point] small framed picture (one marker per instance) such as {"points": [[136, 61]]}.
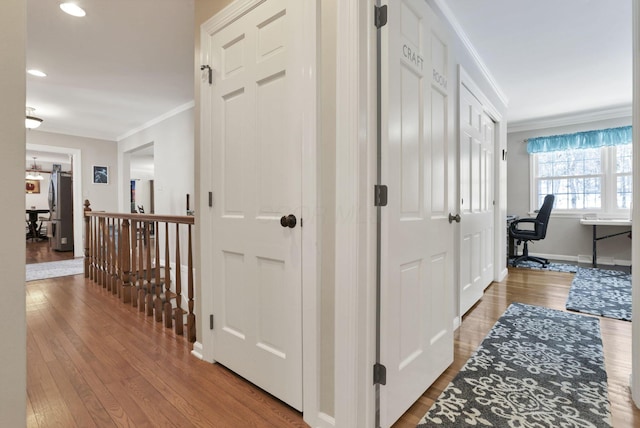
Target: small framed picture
{"points": [[33, 186], [100, 174]]}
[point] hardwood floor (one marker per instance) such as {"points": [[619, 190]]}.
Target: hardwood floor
{"points": [[92, 361], [41, 252], [542, 288]]}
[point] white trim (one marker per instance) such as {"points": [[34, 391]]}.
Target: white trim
{"points": [[469, 83], [157, 120], [197, 350], [583, 258], [227, 15], [203, 210], [311, 293], [326, 420], [570, 119], [635, 243], [355, 215], [453, 21]]}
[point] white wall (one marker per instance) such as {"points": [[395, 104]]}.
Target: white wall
{"points": [[173, 156], [566, 239], [13, 357], [93, 152], [39, 200], [327, 170]]}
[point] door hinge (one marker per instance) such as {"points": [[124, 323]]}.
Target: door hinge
{"points": [[380, 18], [211, 322], [380, 195], [208, 68], [211, 199], [379, 374]]}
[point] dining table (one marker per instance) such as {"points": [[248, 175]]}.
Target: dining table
{"points": [[33, 218]]}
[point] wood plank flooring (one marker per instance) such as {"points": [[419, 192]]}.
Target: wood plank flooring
{"points": [[93, 362], [41, 252], [549, 289]]}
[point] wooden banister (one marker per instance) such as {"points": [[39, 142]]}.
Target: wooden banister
{"points": [[122, 255]]}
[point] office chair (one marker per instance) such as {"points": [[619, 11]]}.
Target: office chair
{"points": [[538, 232]]}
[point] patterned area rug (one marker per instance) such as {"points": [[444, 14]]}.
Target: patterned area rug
{"points": [[537, 367], [556, 267], [54, 269], [601, 292]]}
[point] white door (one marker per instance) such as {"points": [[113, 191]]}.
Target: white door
{"points": [[416, 325], [476, 199], [257, 136]]}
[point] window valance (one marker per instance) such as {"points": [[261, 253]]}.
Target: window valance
{"points": [[580, 140]]}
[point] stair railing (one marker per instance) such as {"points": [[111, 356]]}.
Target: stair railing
{"points": [[122, 255]]}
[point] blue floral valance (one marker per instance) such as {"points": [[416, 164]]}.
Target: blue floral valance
{"points": [[580, 140]]}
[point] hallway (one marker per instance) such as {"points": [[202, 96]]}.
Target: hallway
{"points": [[92, 361]]}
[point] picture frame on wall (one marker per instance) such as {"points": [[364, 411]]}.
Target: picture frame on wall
{"points": [[32, 186], [100, 174]]}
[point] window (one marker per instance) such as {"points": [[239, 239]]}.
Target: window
{"points": [[590, 178]]}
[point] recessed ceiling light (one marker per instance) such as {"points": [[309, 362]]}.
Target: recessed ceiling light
{"points": [[72, 9], [37, 73]]}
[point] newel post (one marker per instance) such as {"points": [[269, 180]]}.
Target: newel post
{"points": [[87, 237]]}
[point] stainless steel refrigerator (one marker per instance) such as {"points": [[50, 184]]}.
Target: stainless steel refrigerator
{"points": [[61, 209]]}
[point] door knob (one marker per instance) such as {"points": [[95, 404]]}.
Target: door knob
{"points": [[453, 218], [288, 221]]}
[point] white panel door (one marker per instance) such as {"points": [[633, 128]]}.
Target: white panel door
{"points": [[257, 136], [476, 199], [416, 325]]}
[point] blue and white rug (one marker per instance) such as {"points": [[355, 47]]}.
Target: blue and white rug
{"points": [[537, 367], [46, 270], [606, 293], [556, 267]]}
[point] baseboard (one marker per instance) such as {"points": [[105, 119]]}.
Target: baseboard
{"points": [[198, 350], [586, 259], [326, 420]]}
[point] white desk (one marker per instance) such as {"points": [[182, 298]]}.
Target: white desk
{"points": [[595, 222]]}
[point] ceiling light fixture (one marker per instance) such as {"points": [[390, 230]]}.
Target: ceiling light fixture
{"points": [[73, 9], [31, 121], [36, 73], [34, 173]]}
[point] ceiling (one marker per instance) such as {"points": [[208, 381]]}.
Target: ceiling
{"points": [[553, 58], [129, 62], [124, 64]]}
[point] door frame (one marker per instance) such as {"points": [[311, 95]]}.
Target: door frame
{"points": [[355, 234], [78, 201], [499, 185], [310, 274], [499, 174]]}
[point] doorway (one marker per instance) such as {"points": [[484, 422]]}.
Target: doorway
{"points": [[72, 158], [141, 175]]}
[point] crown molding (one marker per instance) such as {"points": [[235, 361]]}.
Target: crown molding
{"points": [[158, 119], [453, 21], [570, 119]]}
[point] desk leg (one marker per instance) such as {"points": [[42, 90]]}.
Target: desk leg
{"points": [[595, 240]]}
